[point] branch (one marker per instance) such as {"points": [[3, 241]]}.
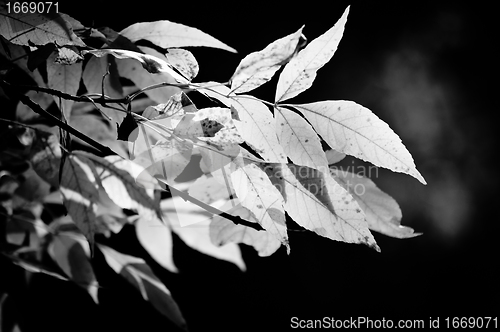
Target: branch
{"points": [[39, 110]]}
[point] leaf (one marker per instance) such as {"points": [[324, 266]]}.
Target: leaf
{"points": [[166, 158], [259, 67], [45, 157], [166, 34], [183, 61], [63, 78], [173, 106], [354, 130], [208, 189], [95, 127], [18, 56], [96, 70], [37, 29], [299, 74], [80, 194], [116, 177], [126, 129], [382, 211], [152, 63], [156, 238], [32, 266], [316, 202], [191, 223], [333, 156], [258, 128], [299, 140], [67, 56], [216, 91], [224, 231], [128, 68], [218, 127], [139, 274], [71, 252], [258, 194], [39, 55]]}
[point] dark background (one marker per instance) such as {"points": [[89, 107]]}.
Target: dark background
{"points": [[426, 69]]}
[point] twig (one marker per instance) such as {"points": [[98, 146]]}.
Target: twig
{"points": [[235, 219], [39, 110]]}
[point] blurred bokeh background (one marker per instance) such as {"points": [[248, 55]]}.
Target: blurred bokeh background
{"points": [[426, 68]]}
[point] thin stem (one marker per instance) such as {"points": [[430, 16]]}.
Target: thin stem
{"points": [[15, 123], [61, 124], [235, 219]]}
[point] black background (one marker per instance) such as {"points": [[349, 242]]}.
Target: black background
{"points": [[427, 69]]}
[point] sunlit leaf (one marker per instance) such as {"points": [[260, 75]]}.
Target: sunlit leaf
{"points": [[333, 156], [156, 238], [67, 56], [167, 158], [168, 34], [354, 130], [191, 223], [259, 67], [299, 140], [120, 185], [224, 231], [208, 189], [258, 128], [183, 61], [299, 74], [318, 203], [139, 274], [257, 193], [216, 91], [382, 211]]}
